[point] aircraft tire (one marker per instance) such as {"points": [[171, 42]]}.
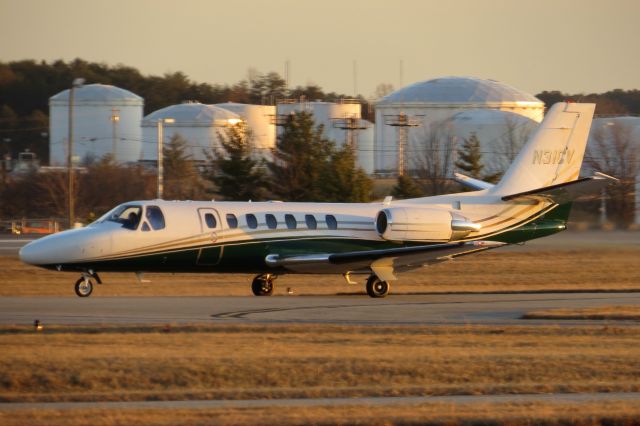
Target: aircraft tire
{"points": [[262, 286], [83, 289], [376, 287]]}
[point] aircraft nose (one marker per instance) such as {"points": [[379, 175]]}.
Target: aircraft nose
{"points": [[33, 253]]}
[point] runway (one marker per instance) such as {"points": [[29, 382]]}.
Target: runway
{"points": [[424, 309], [555, 398], [11, 245]]}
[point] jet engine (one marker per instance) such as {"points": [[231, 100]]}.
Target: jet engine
{"points": [[416, 224]]}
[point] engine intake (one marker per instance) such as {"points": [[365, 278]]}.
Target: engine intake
{"points": [[422, 224]]}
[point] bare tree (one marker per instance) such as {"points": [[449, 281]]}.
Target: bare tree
{"points": [[433, 156], [614, 151], [516, 133], [382, 90]]}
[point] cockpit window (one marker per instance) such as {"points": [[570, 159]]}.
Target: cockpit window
{"points": [[127, 215], [155, 217]]}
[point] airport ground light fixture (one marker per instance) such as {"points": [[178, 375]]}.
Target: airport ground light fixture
{"points": [[77, 83], [161, 123]]}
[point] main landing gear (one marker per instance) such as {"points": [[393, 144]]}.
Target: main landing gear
{"points": [[84, 285], [376, 287], [262, 285]]}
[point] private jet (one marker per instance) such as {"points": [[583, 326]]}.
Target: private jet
{"points": [[378, 240]]}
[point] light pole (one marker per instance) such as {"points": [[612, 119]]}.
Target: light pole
{"points": [[115, 118], [77, 83], [161, 123]]}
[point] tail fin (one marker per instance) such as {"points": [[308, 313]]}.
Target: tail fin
{"points": [[554, 153]]}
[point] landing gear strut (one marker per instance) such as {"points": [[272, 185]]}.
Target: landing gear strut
{"points": [[376, 287], [262, 285]]}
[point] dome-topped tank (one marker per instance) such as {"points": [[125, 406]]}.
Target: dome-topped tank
{"points": [[198, 123], [106, 120], [459, 90], [97, 94], [430, 103]]}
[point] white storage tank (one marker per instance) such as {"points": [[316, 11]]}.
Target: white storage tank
{"points": [[260, 119], [501, 134], [327, 114], [106, 120], [198, 123], [436, 101]]}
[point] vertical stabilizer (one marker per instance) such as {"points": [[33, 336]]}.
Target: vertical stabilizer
{"points": [[554, 153]]}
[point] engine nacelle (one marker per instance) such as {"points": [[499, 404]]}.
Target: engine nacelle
{"points": [[415, 224]]}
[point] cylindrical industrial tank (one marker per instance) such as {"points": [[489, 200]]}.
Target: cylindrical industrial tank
{"points": [[435, 101], [198, 123], [501, 134], [329, 114], [261, 120], [106, 120]]}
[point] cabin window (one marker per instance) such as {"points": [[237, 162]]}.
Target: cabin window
{"points": [[312, 223], [252, 221], [145, 227], [290, 221], [155, 217], [232, 220], [332, 223], [210, 220], [272, 223]]}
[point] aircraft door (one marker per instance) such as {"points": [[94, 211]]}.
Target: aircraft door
{"points": [[210, 226]]}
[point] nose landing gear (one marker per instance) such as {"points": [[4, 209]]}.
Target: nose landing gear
{"points": [[262, 285], [84, 285]]}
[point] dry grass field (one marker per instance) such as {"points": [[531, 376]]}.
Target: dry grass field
{"points": [[296, 361], [274, 361], [544, 270]]}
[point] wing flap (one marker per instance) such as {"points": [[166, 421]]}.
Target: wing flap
{"points": [[384, 261]]}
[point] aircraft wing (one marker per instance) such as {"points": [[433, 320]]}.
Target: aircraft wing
{"points": [[384, 262], [569, 191]]}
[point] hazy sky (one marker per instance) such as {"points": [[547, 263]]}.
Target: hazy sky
{"points": [[574, 46]]}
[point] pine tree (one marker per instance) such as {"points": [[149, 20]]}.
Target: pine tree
{"points": [[470, 157], [345, 181], [181, 177], [406, 187], [236, 173], [300, 160]]}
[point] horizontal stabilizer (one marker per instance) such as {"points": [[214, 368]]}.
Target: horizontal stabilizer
{"points": [[471, 182], [568, 191]]}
